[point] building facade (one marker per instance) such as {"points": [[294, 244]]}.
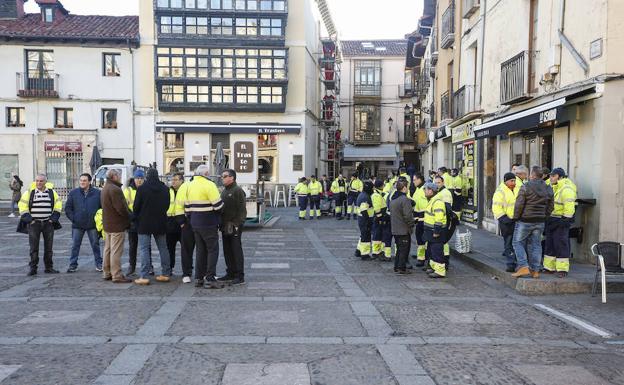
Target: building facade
{"points": [[544, 93], [66, 87], [237, 77], [374, 104]]}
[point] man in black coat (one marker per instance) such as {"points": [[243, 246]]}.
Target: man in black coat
{"points": [[150, 210]]}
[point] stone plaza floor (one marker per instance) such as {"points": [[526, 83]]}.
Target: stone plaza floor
{"points": [[309, 314]]}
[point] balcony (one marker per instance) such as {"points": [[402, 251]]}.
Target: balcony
{"points": [[514, 83], [447, 33], [469, 7], [367, 137], [39, 87], [432, 115], [445, 106], [434, 47], [464, 101], [409, 134], [367, 90], [406, 90]]}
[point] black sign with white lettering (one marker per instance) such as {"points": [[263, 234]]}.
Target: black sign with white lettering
{"points": [[543, 118], [243, 157]]}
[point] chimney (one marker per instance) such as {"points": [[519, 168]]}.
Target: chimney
{"points": [[51, 10], [11, 9]]}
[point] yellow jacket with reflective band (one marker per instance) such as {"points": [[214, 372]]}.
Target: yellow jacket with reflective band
{"points": [[24, 201], [315, 188], [366, 207], [519, 183], [356, 186], [435, 214], [99, 225], [565, 199], [388, 185], [379, 203], [445, 195], [180, 198], [503, 201], [338, 188], [202, 203], [420, 200], [458, 183], [171, 212], [302, 189], [448, 180], [130, 195]]}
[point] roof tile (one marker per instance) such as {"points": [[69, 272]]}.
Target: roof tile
{"points": [[374, 47]]}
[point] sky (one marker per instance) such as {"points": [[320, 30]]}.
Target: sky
{"points": [[354, 19]]}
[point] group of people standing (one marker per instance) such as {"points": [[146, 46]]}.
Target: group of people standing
{"points": [[535, 211], [191, 213], [397, 208]]}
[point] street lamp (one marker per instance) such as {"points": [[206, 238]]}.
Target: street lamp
{"points": [[396, 144], [407, 109], [390, 120]]}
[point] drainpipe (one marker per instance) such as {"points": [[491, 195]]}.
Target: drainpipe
{"points": [[482, 49], [132, 110]]}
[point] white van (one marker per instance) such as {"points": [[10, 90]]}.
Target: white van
{"points": [[126, 170]]}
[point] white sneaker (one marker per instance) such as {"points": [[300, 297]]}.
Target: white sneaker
{"points": [[186, 280], [11, 215]]}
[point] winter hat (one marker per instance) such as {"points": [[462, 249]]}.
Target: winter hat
{"points": [[558, 171], [378, 183], [431, 186], [139, 174], [509, 176]]}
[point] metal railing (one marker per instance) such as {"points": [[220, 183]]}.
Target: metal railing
{"points": [[434, 46], [514, 83], [433, 121], [464, 101], [37, 87], [445, 106], [367, 137], [469, 7], [406, 90], [447, 35], [367, 89], [409, 134]]}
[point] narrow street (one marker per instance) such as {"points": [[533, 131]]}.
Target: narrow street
{"points": [[310, 314]]}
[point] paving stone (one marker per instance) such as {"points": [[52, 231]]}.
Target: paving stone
{"points": [[55, 316], [376, 326], [130, 360], [558, 375], [304, 340], [400, 360], [271, 286], [114, 379], [266, 374], [272, 316], [7, 370], [414, 380], [428, 285], [477, 317], [364, 309], [14, 340], [224, 340], [259, 265], [161, 321], [69, 340]]}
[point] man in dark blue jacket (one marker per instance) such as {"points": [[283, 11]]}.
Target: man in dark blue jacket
{"points": [[82, 204]]}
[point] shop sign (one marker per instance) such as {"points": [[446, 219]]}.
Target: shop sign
{"points": [[58, 145], [465, 131], [243, 157], [442, 132]]}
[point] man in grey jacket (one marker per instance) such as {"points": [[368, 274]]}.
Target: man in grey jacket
{"points": [[402, 224]]}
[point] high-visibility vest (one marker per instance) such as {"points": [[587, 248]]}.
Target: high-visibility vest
{"points": [[302, 189], [202, 203], [435, 213], [356, 186], [420, 201], [379, 204], [565, 199], [171, 212], [130, 195], [25, 200], [445, 195], [503, 201], [315, 188], [338, 186]]}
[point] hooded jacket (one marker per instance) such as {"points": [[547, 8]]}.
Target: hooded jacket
{"points": [[151, 205]]}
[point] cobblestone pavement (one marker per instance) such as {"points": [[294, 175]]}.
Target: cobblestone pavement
{"points": [[310, 314]]}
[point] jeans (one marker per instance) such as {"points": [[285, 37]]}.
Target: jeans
{"points": [[146, 259], [233, 254], [35, 230], [172, 241], [133, 246], [403, 243], [13, 204], [94, 241], [529, 234], [507, 231], [187, 245]]}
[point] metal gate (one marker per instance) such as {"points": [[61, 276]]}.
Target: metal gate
{"points": [[63, 170]]}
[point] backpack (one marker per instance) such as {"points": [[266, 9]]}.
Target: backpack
{"points": [[451, 222]]}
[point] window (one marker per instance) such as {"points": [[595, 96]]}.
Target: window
{"points": [[272, 5], [250, 5], [175, 3], [246, 27], [367, 123], [171, 24], [271, 27], [221, 4], [222, 94], [246, 95], [197, 94], [109, 118], [16, 117], [40, 65], [368, 78], [111, 64], [172, 94], [64, 117], [271, 95], [196, 4], [297, 162], [196, 25], [221, 25], [48, 14]]}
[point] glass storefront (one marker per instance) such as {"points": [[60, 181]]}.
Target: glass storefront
{"points": [[532, 149], [267, 157], [490, 179]]}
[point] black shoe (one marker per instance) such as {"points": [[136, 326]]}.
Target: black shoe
{"points": [[358, 254], [72, 269], [403, 272], [130, 271], [33, 271], [225, 278], [237, 281], [510, 269], [429, 271], [409, 266], [213, 284], [339, 218], [348, 217], [420, 263], [199, 283], [51, 271], [151, 270], [366, 257], [435, 275]]}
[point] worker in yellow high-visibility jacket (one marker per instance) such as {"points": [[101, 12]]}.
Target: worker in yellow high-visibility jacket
{"points": [[420, 205], [435, 228], [503, 202]]}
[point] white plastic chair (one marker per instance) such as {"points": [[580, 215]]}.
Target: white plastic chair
{"points": [[608, 262], [280, 193], [270, 197], [291, 195]]}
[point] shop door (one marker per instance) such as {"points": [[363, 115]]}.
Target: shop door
{"points": [[63, 169], [8, 165], [533, 150]]}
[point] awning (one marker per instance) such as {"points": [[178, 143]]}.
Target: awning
{"points": [[439, 133], [229, 128], [382, 152], [532, 117]]}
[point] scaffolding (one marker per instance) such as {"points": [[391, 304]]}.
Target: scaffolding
{"points": [[329, 119]]}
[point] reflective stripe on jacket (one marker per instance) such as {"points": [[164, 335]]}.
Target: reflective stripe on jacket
{"points": [[503, 202], [564, 199], [202, 203], [315, 188]]}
